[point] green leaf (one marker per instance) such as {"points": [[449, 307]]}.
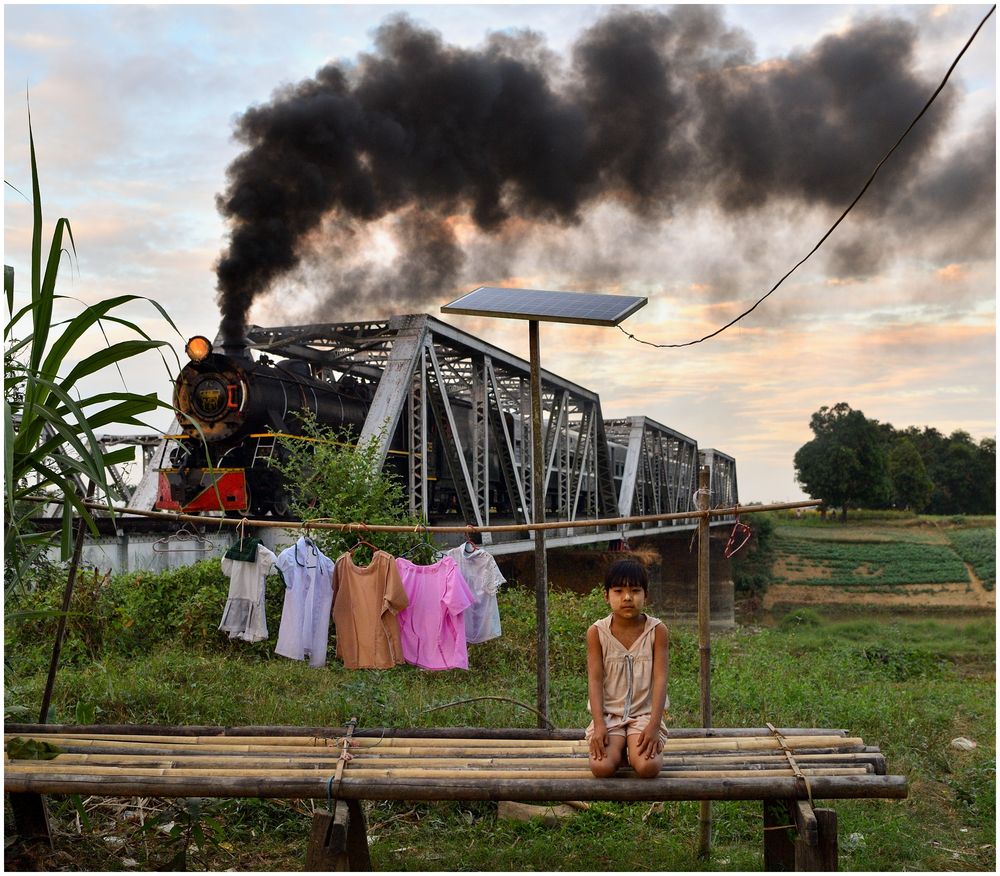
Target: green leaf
{"points": [[81, 810], [8, 286], [102, 358], [19, 748]]}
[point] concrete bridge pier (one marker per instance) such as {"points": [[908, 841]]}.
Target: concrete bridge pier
{"points": [[671, 563]]}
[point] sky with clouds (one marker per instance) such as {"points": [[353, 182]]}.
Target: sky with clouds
{"points": [[688, 154]]}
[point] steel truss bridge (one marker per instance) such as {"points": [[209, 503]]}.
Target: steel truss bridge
{"points": [[478, 397]]}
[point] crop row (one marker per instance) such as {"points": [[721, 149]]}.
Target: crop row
{"points": [[978, 547], [835, 532], [872, 563]]}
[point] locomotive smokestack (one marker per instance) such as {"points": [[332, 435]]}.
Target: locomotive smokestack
{"points": [[652, 109], [235, 344]]}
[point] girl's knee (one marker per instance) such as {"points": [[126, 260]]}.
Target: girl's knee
{"points": [[604, 769], [647, 769]]}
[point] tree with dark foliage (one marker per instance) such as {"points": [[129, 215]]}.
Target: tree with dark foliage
{"points": [[845, 465], [911, 485]]}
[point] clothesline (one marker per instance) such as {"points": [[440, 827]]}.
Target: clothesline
{"points": [[326, 523]]}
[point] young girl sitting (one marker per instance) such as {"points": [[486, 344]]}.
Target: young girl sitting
{"points": [[626, 678]]}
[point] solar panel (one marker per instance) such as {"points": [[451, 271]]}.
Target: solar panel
{"points": [[579, 307]]}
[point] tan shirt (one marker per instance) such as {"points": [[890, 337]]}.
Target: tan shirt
{"points": [[366, 600], [628, 672]]}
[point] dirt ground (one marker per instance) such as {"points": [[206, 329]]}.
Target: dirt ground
{"points": [[961, 595]]}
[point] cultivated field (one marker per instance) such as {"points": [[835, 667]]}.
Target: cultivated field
{"points": [[918, 563]]}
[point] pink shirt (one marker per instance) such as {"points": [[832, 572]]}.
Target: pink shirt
{"points": [[431, 627]]}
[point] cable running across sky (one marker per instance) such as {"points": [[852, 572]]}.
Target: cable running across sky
{"points": [[842, 216]]}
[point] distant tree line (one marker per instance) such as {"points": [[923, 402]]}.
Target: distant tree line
{"points": [[855, 462]]}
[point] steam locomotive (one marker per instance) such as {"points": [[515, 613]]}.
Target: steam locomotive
{"points": [[234, 411]]}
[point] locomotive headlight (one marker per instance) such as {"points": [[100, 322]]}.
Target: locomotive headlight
{"points": [[198, 348]]}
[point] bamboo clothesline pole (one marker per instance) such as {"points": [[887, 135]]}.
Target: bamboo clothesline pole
{"points": [[704, 642], [465, 528]]}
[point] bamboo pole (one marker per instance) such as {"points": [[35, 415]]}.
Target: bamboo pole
{"points": [[363, 761], [17, 779], [526, 774], [464, 529], [282, 730], [704, 642], [50, 681], [459, 748]]}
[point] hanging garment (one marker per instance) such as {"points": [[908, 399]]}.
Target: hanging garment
{"points": [[365, 604], [431, 626], [305, 615], [243, 616], [483, 575]]}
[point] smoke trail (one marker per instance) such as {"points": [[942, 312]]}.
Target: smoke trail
{"points": [[653, 111]]}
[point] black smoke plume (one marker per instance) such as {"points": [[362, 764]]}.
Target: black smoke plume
{"points": [[651, 110]]}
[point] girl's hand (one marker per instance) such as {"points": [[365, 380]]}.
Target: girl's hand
{"points": [[598, 743], [649, 741]]}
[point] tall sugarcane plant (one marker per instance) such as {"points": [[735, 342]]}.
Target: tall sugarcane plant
{"points": [[50, 445]]}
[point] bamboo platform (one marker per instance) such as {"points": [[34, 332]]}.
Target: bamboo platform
{"points": [[784, 768], [447, 764]]}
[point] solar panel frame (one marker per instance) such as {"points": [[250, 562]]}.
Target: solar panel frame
{"points": [[582, 308]]}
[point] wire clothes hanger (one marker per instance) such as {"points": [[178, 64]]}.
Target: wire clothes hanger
{"points": [[740, 531], [470, 547], [241, 531], [310, 548], [436, 553], [182, 540], [362, 543]]}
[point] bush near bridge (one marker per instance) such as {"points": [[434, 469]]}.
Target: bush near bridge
{"points": [[909, 686]]}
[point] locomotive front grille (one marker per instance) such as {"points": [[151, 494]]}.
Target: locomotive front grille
{"points": [[209, 398]]}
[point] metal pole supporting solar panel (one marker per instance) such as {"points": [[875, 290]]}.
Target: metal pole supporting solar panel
{"points": [[535, 305], [538, 516]]}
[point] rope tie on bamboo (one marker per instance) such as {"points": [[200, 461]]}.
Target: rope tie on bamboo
{"points": [[345, 756], [791, 760]]}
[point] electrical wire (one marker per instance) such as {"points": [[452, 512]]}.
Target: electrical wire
{"points": [[842, 216]]}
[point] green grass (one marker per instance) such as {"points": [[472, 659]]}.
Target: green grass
{"points": [[909, 687]]}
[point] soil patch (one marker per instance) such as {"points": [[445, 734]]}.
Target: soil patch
{"points": [[962, 595]]}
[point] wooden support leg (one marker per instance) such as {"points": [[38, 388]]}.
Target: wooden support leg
{"points": [[31, 817], [828, 848], [339, 840], [816, 851], [798, 837], [328, 841], [779, 833], [357, 838]]}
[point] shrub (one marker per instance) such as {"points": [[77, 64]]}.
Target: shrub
{"points": [[801, 617], [752, 566], [332, 477]]}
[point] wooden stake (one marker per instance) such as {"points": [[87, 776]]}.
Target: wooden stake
{"points": [[704, 642]]}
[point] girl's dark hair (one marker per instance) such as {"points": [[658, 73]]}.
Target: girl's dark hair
{"points": [[626, 571]]}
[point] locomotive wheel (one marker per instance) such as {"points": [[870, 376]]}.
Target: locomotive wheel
{"points": [[251, 509], [258, 507], [281, 507]]}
